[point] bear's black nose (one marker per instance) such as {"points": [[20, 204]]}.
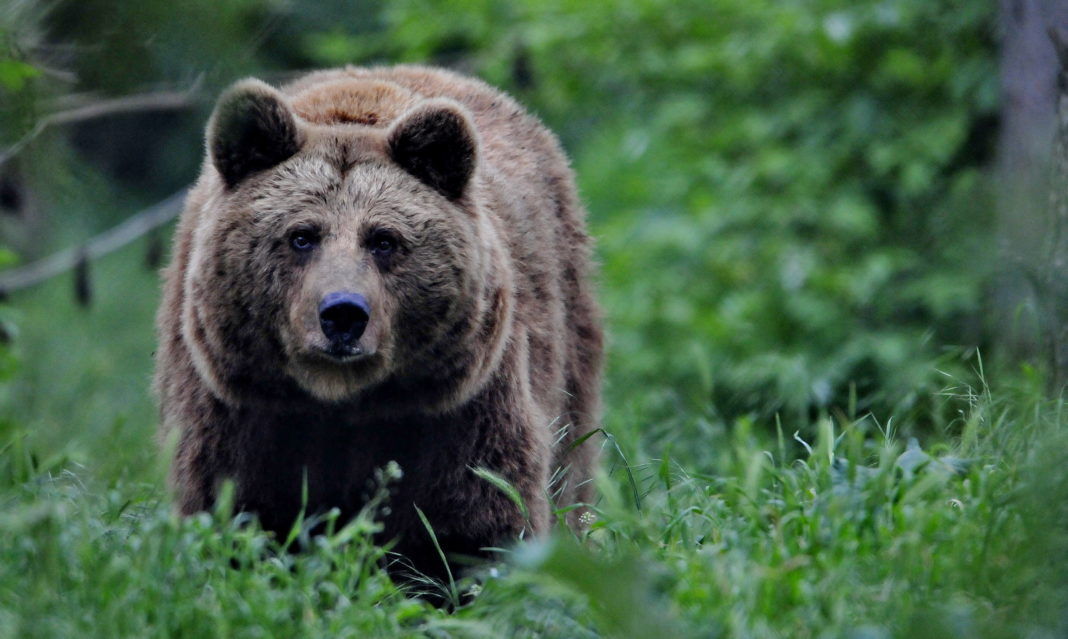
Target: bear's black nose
{"points": [[343, 316]]}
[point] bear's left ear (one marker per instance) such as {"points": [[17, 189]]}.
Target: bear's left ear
{"points": [[436, 143]]}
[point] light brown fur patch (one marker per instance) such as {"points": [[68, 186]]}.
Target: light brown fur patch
{"points": [[368, 102]]}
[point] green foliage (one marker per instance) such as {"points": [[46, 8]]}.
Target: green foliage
{"points": [[118, 565], [13, 74], [857, 537], [789, 205]]}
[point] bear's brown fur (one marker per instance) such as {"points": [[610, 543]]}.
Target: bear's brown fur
{"points": [[452, 217]]}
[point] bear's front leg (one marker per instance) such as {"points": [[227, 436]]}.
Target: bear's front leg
{"points": [[467, 512]]}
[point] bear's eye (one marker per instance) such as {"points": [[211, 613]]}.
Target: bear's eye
{"points": [[303, 240], [383, 244]]}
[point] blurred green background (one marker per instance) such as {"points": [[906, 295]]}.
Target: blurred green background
{"points": [[790, 199], [801, 210]]}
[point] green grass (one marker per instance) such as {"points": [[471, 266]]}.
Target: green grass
{"points": [[755, 532], [83, 386]]}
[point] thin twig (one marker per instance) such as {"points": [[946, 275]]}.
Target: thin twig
{"points": [[153, 101], [111, 240]]}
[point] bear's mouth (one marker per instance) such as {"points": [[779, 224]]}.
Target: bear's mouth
{"points": [[332, 372], [340, 353]]}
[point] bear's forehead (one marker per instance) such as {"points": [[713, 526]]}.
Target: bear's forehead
{"points": [[311, 184], [353, 101]]}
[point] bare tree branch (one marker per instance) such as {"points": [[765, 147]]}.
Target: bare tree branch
{"points": [[152, 101], [111, 240]]}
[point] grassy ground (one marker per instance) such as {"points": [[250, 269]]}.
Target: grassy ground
{"points": [[750, 531]]}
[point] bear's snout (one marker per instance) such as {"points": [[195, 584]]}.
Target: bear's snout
{"points": [[343, 317]]}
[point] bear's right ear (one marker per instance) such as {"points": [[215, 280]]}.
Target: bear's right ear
{"points": [[252, 129], [436, 143]]}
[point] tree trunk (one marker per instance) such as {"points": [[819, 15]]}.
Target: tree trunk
{"points": [[1023, 301], [1055, 266]]}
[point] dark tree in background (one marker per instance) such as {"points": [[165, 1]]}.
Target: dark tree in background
{"points": [[1030, 242], [1055, 266]]}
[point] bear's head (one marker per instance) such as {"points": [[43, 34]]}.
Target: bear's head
{"points": [[335, 256]]}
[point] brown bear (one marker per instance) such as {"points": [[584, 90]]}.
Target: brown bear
{"points": [[375, 265]]}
